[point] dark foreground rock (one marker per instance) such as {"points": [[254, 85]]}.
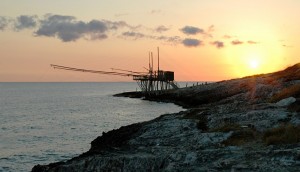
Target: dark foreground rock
{"points": [[247, 124]]}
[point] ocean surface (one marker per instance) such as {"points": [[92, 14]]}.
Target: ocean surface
{"points": [[42, 123]]}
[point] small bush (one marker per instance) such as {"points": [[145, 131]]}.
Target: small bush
{"points": [[285, 134], [241, 137], [200, 116], [293, 90], [294, 107], [202, 125]]}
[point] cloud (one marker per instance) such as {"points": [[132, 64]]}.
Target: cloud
{"points": [[121, 14], [188, 42], [284, 44], [161, 29], [227, 36], [252, 42], [172, 39], [211, 28], [134, 35], [191, 30], [4, 21], [218, 44], [99, 36], [287, 46], [236, 42], [67, 28], [25, 22], [155, 11], [115, 25]]}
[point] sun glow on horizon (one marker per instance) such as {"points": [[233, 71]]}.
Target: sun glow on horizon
{"points": [[253, 64], [235, 42]]}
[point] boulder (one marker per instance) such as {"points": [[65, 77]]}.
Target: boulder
{"points": [[286, 102]]}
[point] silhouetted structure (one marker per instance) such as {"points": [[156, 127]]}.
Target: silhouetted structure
{"points": [[151, 82]]}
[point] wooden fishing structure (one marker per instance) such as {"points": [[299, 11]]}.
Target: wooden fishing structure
{"points": [[152, 82]]}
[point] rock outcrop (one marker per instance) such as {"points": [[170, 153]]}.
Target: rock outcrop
{"points": [[247, 124], [286, 102]]}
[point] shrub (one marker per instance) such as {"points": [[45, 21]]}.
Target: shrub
{"points": [[200, 116], [294, 107], [241, 137], [285, 134], [293, 90], [202, 124]]}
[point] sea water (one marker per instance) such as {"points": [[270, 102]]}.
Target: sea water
{"points": [[41, 123]]}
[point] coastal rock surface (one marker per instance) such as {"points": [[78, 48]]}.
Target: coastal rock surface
{"points": [[234, 125]]}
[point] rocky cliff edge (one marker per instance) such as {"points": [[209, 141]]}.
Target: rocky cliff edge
{"points": [[246, 124]]}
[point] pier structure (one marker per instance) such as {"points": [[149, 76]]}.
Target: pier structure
{"points": [[157, 81], [152, 82]]}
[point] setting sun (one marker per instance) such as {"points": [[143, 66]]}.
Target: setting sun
{"points": [[253, 64]]}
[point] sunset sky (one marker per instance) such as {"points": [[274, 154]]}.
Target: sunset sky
{"points": [[201, 40]]}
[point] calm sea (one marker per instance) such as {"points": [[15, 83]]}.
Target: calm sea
{"points": [[42, 123]]}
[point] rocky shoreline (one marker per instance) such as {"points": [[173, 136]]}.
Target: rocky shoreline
{"points": [[246, 124]]}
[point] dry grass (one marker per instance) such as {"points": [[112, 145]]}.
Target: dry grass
{"points": [[246, 86], [241, 137], [285, 134], [289, 74], [293, 90], [271, 81]]}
